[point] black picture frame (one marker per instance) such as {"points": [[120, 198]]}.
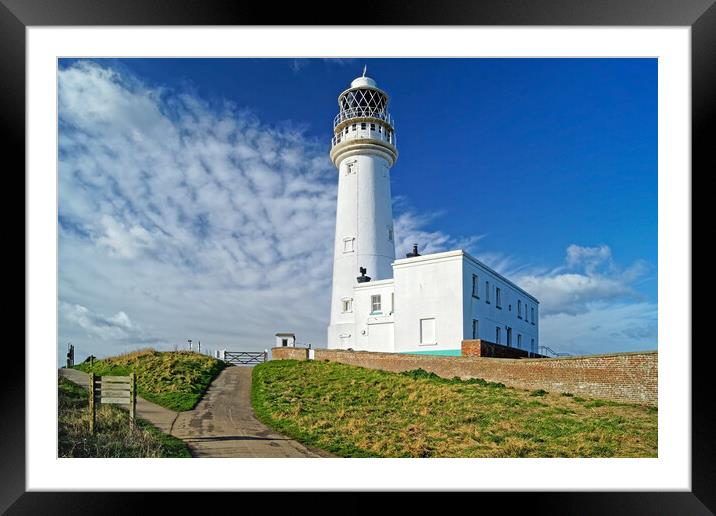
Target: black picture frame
{"points": [[700, 15]]}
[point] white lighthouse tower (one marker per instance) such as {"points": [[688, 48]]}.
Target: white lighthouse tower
{"points": [[363, 150]]}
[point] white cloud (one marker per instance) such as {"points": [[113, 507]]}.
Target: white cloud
{"points": [[589, 304], [410, 229], [117, 327], [589, 275], [602, 328]]}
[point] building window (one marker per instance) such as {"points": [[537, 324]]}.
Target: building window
{"points": [[475, 332], [353, 127], [372, 127], [346, 129], [347, 305], [351, 167], [509, 337], [380, 128], [519, 340], [487, 292], [498, 298], [533, 314], [390, 233], [375, 304], [519, 309], [474, 286], [427, 331], [532, 346], [498, 333], [348, 244], [362, 125]]}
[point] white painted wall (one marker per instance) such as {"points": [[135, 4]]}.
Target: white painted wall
{"points": [[375, 330], [489, 315], [436, 291], [428, 287]]}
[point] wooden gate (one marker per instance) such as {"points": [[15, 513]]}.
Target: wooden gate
{"points": [[245, 357]]}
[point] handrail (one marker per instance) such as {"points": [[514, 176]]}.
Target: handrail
{"points": [[340, 137], [552, 352], [363, 112]]}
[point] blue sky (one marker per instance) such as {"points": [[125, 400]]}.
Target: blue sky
{"points": [[197, 199]]}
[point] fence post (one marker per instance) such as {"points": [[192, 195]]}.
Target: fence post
{"points": [[133, 399], [265, 355], [91, 404]]}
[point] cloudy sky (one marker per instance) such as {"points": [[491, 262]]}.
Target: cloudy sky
{"points": [[197, 200]]}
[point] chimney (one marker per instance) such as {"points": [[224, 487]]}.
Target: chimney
{"points": [[414, 252], [363, 278]]}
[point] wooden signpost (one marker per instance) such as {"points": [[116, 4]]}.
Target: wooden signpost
{"points": [[118, 390]]}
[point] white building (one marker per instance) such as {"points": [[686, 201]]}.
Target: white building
{"points": [[284, 340], [421, 303]]}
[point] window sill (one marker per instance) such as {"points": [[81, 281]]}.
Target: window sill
{"points": [[376, 313], [498, 307]]}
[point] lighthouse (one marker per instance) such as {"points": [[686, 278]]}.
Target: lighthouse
{"points": [[427, 303], [363, 149]]}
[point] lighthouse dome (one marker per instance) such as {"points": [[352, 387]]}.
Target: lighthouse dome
{"points": [[363, 81]]}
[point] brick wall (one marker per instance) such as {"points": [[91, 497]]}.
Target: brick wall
{"points": [[627, 377], [484, 348]]}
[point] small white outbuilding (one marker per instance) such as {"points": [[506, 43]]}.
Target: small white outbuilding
{"points": [[285, 340]]}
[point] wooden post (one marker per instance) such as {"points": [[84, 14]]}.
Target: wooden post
{"points": [[133, 399], [91, 404]]}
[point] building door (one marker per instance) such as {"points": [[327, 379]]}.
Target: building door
{"points": [[284, 342], [509, 337]]}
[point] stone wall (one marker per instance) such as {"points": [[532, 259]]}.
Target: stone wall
{"points": [[288, 353], [626, 377]]}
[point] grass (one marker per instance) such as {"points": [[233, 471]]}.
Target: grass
{"points": [[112, 437], [357, 412], [175, 379]]}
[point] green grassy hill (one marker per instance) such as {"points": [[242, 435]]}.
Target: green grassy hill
{"points": [[174, 379], [112, 437], [357, 412]]}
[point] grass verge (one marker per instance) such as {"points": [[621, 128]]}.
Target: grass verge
{"points": [[357, 412], [174, 379], [112, 437]]}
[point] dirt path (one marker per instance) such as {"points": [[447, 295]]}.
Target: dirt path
{"points": [[222, 424]]}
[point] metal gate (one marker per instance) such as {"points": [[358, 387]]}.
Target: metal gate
{"points": [[245, 357]]}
